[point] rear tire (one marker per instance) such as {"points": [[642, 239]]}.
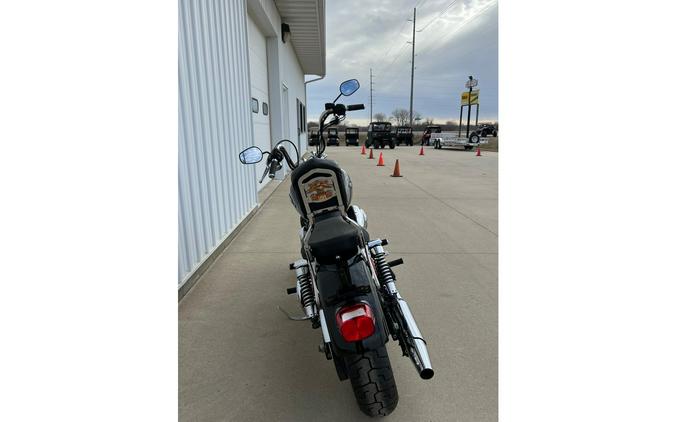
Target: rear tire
{"points": [[391, 145], [373, 382]]}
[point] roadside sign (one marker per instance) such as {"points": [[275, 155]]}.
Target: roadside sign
{"points": [[474, 97], [471, 83]]}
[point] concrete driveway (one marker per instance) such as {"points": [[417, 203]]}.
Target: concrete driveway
{"points": [[240, 359]]}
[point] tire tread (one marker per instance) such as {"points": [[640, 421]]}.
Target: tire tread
{"points": [[373, 382]]}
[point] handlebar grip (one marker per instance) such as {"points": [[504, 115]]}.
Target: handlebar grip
{"points": [[355, 107]]}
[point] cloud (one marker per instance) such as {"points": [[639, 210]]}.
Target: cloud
{"points": [[458, 38]]}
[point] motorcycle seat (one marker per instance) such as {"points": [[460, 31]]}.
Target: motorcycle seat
{"points": [[332, 236]]}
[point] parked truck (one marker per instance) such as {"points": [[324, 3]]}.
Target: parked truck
{"points": [[332, 138], [404, 135], [352, 136], [379, 135], [313, 137], [429, 132], [487, 129]]}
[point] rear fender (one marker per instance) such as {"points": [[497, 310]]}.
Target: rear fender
{"points": [[336, 291]]}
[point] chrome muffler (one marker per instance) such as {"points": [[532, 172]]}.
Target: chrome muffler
{"points": [[413, 343], [418, 347]]}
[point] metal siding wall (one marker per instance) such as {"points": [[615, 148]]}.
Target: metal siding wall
{"points": [[214, 123]]}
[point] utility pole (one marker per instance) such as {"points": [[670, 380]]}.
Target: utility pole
{"points": [[371, 94], [412, 71]]}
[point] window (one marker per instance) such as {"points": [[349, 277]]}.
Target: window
{"points": [[265, 109], [298, 110], [302, 116], [254, 105]]}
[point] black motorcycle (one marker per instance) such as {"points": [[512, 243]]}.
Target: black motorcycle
{"points": [[344, 284]]}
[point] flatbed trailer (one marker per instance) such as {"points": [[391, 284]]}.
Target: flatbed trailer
{"points": [[450, 139]]}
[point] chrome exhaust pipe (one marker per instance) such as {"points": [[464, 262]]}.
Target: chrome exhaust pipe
{"points": [[419, 355], [415, 344]]}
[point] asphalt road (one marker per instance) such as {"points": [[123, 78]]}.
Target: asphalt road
{"points": [[240, 359]]}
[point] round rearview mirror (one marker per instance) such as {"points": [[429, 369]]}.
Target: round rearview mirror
{"points": [[349, 87], [250, 155]]}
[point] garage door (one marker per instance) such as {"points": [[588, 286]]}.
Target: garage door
{"points": [[257, 53]]}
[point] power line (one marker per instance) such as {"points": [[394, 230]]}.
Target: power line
{"points": [[398, 73], [452, 3], [419, 4], [393, 44], [443, 38], [387, 69]]}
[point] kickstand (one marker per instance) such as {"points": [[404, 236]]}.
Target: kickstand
{"points": [[291, 317]]}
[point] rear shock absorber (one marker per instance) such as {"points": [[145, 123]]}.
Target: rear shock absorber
{"points": [[384, 273], [304, 287]]}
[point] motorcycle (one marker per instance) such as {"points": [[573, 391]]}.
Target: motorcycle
{"points": [[344, 284]]}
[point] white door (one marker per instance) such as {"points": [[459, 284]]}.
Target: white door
{"points": [[257, 58]]}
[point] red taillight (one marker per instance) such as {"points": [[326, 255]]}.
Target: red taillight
{"points": [[356, 322]]}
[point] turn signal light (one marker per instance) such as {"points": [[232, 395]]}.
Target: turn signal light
{"points": [[356, 322]]}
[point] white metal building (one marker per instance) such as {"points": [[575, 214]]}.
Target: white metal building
{"points": [[241, 82]]}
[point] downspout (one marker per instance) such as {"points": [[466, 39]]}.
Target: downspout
{"points": [[312, 80], [321, 17], [309, 82]]}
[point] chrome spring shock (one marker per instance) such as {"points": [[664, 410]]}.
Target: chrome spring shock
{"points": [[384, 273], [304, 288]]}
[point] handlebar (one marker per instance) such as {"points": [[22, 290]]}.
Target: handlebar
{"points": [[338, 111], [278, 153], [276, 158], [267, 170]]}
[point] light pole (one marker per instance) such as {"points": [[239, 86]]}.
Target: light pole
{"points": [[371, 94], [412, 69]]}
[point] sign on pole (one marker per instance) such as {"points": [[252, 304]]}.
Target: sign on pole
{"points": [[471, 83], [474, 97]]}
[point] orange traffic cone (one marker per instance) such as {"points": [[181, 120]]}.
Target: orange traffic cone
{"points": [[422, 150], [380, 162], [371, 154], [478, 152], [363, 150], [397, 170]]}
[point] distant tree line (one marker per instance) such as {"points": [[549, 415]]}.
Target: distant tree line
{"points": [[401, 117]]}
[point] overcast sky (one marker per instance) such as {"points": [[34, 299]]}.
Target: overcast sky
{"points": [[458, 38]]}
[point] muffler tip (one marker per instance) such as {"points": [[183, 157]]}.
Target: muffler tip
{"points": [[427, 373]]}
